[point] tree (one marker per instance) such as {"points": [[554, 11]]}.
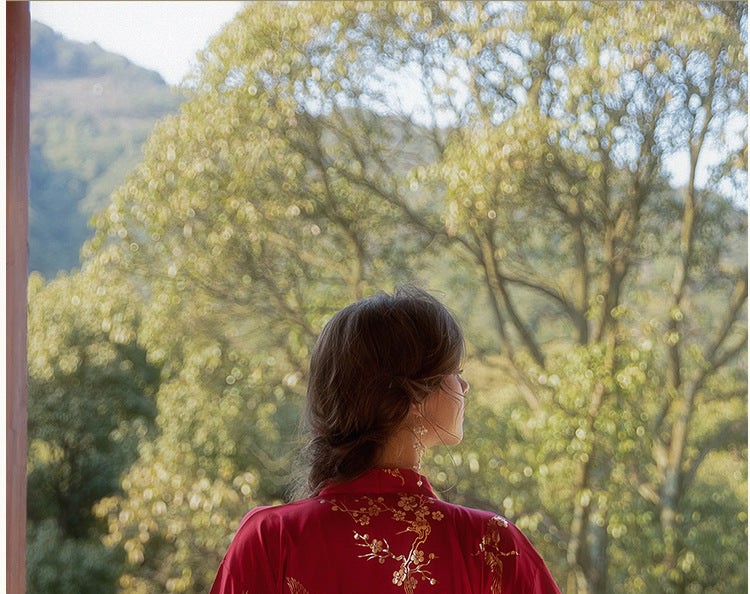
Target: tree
{"points": [[90, 389], [530, 166]]}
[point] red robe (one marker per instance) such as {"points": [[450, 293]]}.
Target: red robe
{"points": [[382, 533]]}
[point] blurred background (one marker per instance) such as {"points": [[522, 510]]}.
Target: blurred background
{"points": [[570, 178]]}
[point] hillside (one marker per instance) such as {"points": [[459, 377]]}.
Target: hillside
{"points": [[91, 110]]}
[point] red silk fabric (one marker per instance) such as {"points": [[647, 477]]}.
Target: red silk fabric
{"points": [[384, 532]]}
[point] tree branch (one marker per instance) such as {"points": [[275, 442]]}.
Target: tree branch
{"points": [[733, 432]]}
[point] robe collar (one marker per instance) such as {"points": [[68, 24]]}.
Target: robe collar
{"points": [[383, 480]]}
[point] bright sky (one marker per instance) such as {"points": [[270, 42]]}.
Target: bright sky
{"points": [[165, 36], [162, 36]]}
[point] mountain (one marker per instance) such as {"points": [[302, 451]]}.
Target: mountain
{"points": [[91, 111]]}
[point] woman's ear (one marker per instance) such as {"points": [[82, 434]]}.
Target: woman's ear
{"points": [[417, 406]]}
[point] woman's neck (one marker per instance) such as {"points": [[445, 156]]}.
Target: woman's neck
{"points": [[402, 450]]}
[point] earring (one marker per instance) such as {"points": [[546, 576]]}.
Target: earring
{"points": [[419, 432]]}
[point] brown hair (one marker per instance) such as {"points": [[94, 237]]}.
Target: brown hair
{"points": [[372, 360]]}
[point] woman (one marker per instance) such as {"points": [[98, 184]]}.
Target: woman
{"points": [[384, 386]]}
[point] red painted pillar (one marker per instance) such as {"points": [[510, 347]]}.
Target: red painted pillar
{"points": [[17, 24]]}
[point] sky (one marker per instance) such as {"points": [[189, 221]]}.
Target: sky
{"points": [[162, 36], [165, 36]]}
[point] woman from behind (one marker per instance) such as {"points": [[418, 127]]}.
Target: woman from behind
{"points": [[385, 384]]}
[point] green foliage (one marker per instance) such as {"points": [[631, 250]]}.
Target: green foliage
{"points": [[60, 565], [90, 403], [525, 182]]}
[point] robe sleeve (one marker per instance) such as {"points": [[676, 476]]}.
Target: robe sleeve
{"points": [[226, 582], [252, 560], [532, 575]]}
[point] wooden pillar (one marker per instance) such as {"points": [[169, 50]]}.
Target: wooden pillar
{"points": [[17, 25]]}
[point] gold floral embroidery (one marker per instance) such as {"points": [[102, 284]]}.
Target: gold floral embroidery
{"points": [[408, 502], [362, 515], [490, 548], [395, 472], [295, 587], [379, 549], [413, 511]]}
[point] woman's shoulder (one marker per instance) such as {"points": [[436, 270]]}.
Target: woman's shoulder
{"points": [[261, 526], [253, 555], [504, 549], [495, 532], [268, 516], [471, 515]]}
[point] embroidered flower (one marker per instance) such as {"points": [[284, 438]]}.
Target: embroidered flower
{"points": [[407, 503], [416, 513], [399, 576], [399, 515], [489, 548]]}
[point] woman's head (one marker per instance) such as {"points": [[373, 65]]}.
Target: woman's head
{"points": [[372, 362]]}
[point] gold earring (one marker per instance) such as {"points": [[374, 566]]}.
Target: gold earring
{"points": [[419, 432]]}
